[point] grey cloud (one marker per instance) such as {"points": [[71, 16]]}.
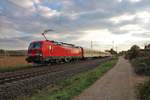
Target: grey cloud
{"points": [[74, 16], [144, 35]]}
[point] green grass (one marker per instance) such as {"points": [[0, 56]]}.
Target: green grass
{"points": [[13, 68], [67, 89]]}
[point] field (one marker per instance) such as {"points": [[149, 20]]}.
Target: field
{"points": [[10, 63]]}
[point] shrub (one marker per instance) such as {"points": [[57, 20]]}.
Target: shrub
{"points": [[142, 65], [144, 91], [133, 52]]}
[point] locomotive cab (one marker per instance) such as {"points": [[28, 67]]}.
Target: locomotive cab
{"points": [[34, 52], [39, 51]]}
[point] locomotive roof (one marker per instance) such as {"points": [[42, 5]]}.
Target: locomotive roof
{"points": [[63, 43], [59, 43]]}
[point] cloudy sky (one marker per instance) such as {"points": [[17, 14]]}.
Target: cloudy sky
{"points": [[105, 22]]}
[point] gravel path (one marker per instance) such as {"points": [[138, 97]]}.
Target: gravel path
{"points": [[117, 84]]}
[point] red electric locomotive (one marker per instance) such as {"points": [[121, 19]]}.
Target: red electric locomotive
{"points": [[51, 51]]}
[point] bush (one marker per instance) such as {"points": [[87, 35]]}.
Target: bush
{"points": [[144, 91], [142, 65], [133, 52]]}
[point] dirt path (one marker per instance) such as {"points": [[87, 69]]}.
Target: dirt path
{"points": [[117, 84]]}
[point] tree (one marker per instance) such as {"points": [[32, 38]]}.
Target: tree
{"points": [[134, 52], [147, 47], [113, 52]]}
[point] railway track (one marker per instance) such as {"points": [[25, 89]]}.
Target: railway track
{"points": [[27, 73], [15, 77], [20, 75], [24, 83]]}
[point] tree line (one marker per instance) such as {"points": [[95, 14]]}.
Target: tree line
{"points": [[12, 52]]}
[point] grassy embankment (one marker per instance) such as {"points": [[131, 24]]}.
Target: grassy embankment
{"points": [[67, 89], [14, 68], [142, 67]]}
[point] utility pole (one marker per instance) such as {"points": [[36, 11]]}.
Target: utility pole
{"points": [[116, 48], [112, 44], [91, 45]]}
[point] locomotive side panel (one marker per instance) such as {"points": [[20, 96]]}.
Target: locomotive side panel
{"points": [[63, 51], [60, 52]]}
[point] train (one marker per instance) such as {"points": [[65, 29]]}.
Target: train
{"points": [[48, 51]]}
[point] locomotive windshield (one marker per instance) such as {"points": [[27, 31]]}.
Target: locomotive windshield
{"points": [[35, 45]]}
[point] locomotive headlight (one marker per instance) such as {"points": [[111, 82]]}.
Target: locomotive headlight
{"points": [[39, 53]]}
